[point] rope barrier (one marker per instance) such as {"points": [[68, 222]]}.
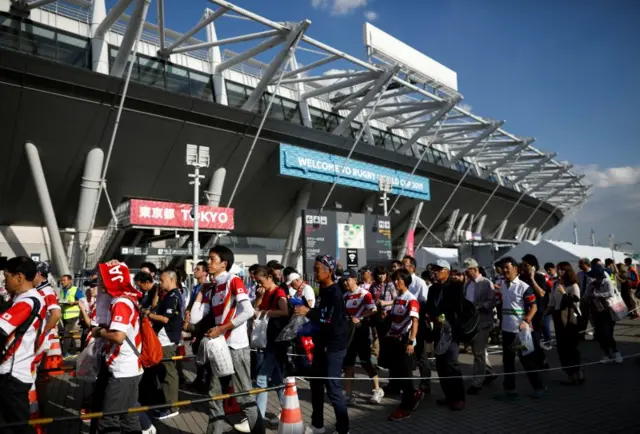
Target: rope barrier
{"points": [[141, 409], [499, 374]]}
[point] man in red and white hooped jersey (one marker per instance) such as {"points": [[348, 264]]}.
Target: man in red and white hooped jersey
{"points": [[231, 309], [54, 313], [119, 376], [20, 336], [360, 305]]}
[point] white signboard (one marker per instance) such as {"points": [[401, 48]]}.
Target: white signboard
{"points": [[392, 48]]}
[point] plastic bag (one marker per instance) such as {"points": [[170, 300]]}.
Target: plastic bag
{"points": [[619, 309], [217, 354], [290, 331], [445, 338], [259, 333], [87, 363], [526, 341]]}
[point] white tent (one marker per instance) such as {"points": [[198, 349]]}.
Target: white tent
{"points": [[558, 251], [429, 255]]}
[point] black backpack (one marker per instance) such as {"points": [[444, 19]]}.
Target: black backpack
{"points": [[21, 330]]}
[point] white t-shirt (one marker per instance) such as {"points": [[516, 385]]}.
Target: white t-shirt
{"points": [[20, 361], [307, 293], [419, 288], [122, 361]]}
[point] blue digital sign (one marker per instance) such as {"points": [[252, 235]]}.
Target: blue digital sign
{"points": [[319, 166]]}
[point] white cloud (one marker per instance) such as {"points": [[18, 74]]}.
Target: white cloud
{"points": [[371, 15], [339, 7], [612, 176]]}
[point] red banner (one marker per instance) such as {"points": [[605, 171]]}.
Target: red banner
{"points": [[178, 215], [411, 243]]}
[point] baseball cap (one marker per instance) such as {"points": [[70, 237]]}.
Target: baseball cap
{"points": [[292, 277], [275, 265], [470, 263], [441, 263], [350, 272]]}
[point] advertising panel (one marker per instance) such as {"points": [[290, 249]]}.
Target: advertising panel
{"points": [[319, 166], [178, 215], [378, 240], [319, 237]]}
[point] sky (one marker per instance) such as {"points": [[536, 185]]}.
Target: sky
{"points": [[563, 72]]}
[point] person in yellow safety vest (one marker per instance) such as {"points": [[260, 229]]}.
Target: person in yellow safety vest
{"points": [[69, 296]]}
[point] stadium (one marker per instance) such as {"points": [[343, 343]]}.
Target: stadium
{"points": [[338, 127]]}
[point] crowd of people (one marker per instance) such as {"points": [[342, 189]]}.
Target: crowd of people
{"points": [[379, 318]]}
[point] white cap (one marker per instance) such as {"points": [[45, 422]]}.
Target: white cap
{"points": [[470, 263], [292, 277], [441, 263]]}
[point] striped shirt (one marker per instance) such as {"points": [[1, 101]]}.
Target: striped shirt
{"points": [[358, 302], [230, 291], [405, 307], [516, 296]]}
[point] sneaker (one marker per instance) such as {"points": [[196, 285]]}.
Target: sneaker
{"points": [[377, 396], [546, 345], [473, 390], [617, 357], [537, 394], [243, 426], [398, 415], [313, 430], [151, 430], [166, 414]]}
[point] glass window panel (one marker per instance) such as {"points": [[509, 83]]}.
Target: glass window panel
{"points": [[9, 33], [177, 79], [236, 94], [333, 120], [291, 111], [39, 41], [151, 72], [201, 86], [73, 50]]}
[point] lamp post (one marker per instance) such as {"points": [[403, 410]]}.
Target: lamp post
{"points": [[197, 157], [385, 185]]}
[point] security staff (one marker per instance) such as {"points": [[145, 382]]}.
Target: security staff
{"points": [[69, 296]]}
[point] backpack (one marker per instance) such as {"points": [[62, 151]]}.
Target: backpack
{"points": [[468, 320], [22, 329], [151, 353]]}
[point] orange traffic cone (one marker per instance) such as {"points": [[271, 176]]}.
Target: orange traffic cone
{"points": [[291, 416], [53, 358], [34, 409]]}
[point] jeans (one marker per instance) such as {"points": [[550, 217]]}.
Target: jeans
{"points": [[241, 381], [546, 329], [447, 365], [328, 364], [481, 365], [268, 366], [14, 404], [530, 362]]}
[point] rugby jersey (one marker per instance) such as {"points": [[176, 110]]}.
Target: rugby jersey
{"points": [[358, 302], [405, 307]]}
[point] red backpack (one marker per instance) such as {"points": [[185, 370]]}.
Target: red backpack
{"points": [[151, 353]]}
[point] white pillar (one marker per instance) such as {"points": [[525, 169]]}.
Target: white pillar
{"points": [[500, 231], [413, 223], [214, 192], [131, 35], [303, 104], [215, 58], [458, 231], [289, 257], [88, 196], [58, 255], [481, 221], [451, 223], [99, 45]]}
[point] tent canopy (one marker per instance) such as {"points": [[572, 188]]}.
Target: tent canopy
{"points": [[558, 251]]}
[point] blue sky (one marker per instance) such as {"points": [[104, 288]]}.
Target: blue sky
{"points": [[565, 72]]}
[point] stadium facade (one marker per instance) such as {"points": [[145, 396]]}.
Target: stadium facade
{"points": [[63, 70]]}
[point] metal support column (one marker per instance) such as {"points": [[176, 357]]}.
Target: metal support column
{"points": [[88, 197], [303, 104], [519, 231], [130, 37], [480, 224], [58, 255], [451, 223], [411, 229], [499, 233], [99, 46], [291, 247], [215, 59], [214, 193], [493, 126], [460, 225]]}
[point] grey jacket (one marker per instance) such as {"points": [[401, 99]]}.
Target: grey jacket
{"points": [[484, 298]]}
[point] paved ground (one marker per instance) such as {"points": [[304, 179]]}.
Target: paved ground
{"points": [[606, 403]]}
